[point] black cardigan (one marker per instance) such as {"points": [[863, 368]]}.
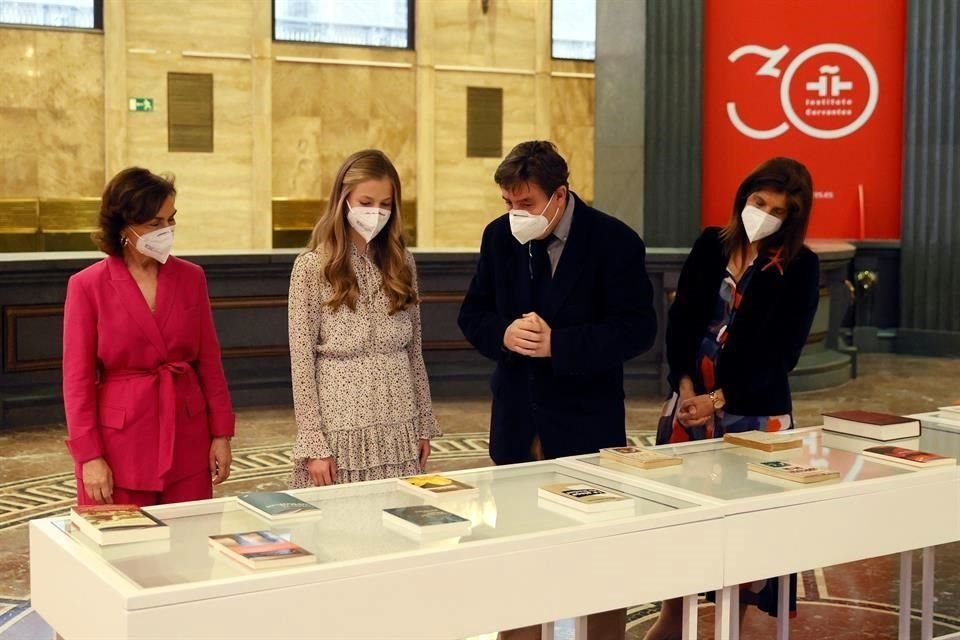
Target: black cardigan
{"points": [[768, 332]]}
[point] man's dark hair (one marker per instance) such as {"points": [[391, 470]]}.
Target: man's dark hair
{"points": [[534, 161]]}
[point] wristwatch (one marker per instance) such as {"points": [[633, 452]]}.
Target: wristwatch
{"points": [[716, 400]]}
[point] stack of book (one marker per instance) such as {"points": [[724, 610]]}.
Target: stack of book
{"points": [[858, 430]]}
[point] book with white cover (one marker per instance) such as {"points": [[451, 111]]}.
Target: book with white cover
{"points": [[768, 441], [584, 516], [424, 523], [948, 418], [640, 457], [585, 497], [793, 472]]}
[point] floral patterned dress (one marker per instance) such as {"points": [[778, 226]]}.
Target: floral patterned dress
{"points": [[360, 387]]}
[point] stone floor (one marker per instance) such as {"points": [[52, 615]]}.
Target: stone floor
{"points": [[847, 602]]}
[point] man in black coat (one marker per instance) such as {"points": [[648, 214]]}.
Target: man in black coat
{"points": [[560, 300]]}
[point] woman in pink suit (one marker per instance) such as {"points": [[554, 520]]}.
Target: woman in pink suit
{"points": [[149, 415]]}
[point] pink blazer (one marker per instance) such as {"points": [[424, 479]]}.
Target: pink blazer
{"points": [[144, 390]]}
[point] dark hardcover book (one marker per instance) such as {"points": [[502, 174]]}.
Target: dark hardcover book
{"points": [[872, 425]]}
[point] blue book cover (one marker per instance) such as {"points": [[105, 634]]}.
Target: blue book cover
{"points": [[276, 504]]}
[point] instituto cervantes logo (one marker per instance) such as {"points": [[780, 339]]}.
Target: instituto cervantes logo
{"points": [[827, 91]]}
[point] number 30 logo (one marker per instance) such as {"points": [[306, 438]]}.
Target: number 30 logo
{"points": [[830, 89]]}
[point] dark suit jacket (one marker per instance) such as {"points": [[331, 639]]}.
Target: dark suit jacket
{"points": [[768, 332], [599, 306]]}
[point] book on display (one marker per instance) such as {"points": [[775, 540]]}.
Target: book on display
{"points": [[435, 485], [261, 549], [764, 441], [585, 497], [949, 418], [277, 506], [870, 424], [793, 472], [108, 524], [857, 444], [425, 523], [640, 457], [952, 412], [585, 516], [909, 457]]}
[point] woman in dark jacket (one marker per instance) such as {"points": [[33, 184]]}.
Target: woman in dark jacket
{"points": [[745, 301]]}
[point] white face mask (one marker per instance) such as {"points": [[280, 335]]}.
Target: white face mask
{"points": [[367, 221], [156, 244], [526, 226], [758, 223]]}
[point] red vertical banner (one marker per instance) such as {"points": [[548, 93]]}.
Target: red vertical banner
{"points": [[820, 81]]}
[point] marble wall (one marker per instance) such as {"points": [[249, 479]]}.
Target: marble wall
{"points": [[214, 190], [507, 47], [466, 197], [51, 113], [572, 126], [324, 112], [286, 114]]}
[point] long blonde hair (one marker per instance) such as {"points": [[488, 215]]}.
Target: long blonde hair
{"points": [[331, 236]]}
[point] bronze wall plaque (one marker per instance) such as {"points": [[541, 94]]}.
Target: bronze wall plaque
{"points": [[484, 122], [190, 112]]}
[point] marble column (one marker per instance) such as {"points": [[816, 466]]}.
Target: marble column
{"points": [[115, 86], [261, 232], [649, 116], [619, 108]]}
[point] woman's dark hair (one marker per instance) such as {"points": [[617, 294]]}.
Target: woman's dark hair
{"points": [[535, 161], [133, 196], [780, 175]]}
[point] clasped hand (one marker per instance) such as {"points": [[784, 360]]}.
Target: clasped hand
{"points": [[529, 336]]}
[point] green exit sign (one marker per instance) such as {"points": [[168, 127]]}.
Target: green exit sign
{"points": [[141, 104]]}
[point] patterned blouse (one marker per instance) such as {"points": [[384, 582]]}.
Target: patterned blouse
{"points": [[360, 387], [729, 299]]}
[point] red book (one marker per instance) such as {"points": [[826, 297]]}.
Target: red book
{"points": [[910, 457]]}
